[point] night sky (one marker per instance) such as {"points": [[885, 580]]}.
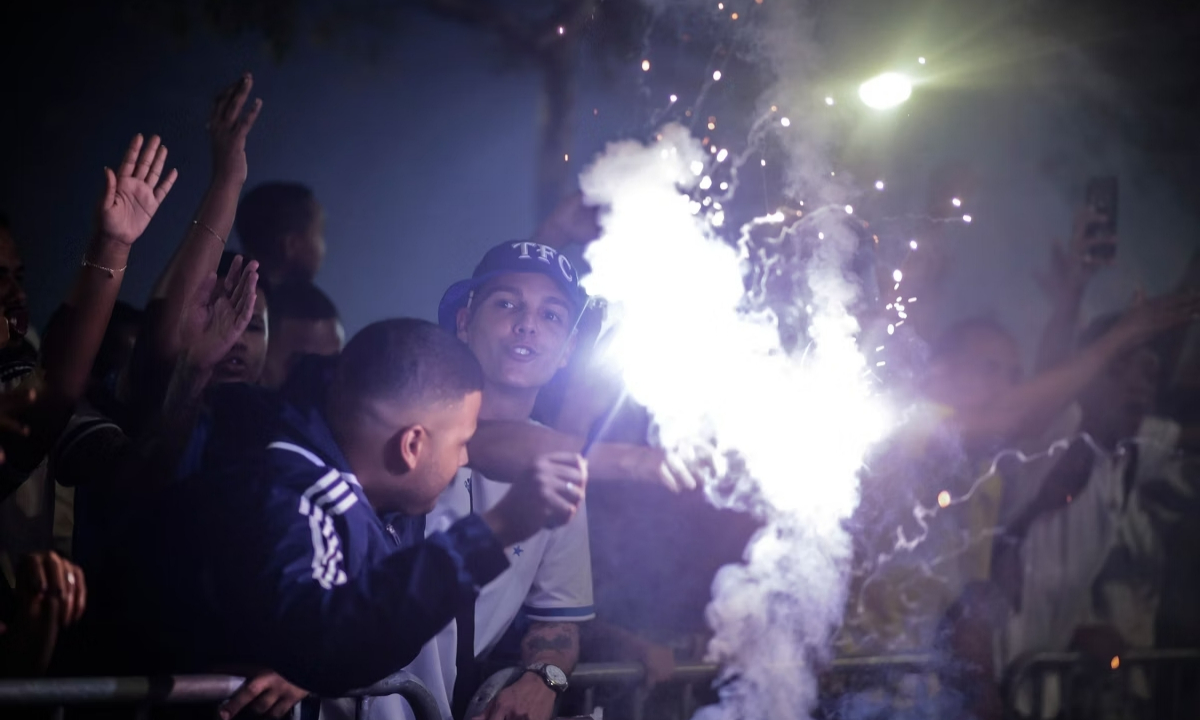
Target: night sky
{"points": [[425, 158]]}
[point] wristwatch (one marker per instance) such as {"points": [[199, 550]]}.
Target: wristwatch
{"points": [[552, 675]]}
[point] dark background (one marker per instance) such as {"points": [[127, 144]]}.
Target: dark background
{"points": [[421, 141]]}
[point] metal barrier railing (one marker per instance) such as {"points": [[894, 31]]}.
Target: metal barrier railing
{"points": [[587, 677], [1160, 684], [142, 693], [1140, 683]]}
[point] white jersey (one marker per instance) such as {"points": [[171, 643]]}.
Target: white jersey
{"points": [[549, 577]]}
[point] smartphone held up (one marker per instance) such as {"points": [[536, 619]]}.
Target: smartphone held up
{"points": [[1100, 233]]}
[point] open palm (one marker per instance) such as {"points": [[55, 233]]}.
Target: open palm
{"points": [[219, 313], [133, 193]]}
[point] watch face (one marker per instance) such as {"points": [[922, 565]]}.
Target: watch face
{"points": [[556, 676]]}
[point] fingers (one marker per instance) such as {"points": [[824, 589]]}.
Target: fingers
{"points": [[156, 166], [284, 705], [131, 155], [81, 594], [247, 122], [146, 159], [110, 188], [233, 275], [681, 472], [246, 694], [62, 585], [241, 90], [165, 186], [245, 295]]}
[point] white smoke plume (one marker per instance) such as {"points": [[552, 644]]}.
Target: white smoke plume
{"points": [[788, 431]]}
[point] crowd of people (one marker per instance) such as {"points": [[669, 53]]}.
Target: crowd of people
{"points": [[222, 482]]}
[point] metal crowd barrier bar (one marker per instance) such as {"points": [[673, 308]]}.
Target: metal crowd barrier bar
{"points": [[1160, 684], [589, 676], [143, 692]]}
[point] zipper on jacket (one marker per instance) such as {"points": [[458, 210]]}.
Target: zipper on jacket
{"points": [[392, 531]]}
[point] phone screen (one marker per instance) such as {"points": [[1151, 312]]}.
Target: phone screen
{"points": [[1101, 235]]}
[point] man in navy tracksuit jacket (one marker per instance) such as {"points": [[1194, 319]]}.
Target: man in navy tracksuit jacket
{"points": [[285, 564]]}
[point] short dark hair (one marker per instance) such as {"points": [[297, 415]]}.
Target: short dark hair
{"points": [[301, 300], [270, 211], [407, 360], [952, 341]]}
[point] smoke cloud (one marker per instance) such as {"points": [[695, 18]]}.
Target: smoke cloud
{"points": [[784, 431]]}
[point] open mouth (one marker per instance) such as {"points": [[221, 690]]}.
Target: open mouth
{"points": [[231, 367], [522, 352], [18, 320]]}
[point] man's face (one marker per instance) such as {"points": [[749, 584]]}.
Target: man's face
{"points": [[449, 427], [1122, 397], [12, 285], [306, 251], [987, 364], [292, 338], [519, 327], [244, 361]]}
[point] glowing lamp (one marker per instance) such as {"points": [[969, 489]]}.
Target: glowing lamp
{"points": [[885, 91]]}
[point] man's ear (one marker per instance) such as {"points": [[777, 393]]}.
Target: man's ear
{"points": [[405, 449], [461, 320], [569, 349]]}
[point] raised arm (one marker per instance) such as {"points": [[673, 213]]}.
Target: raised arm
{"points": [[505, 450], [1071, 269], [206, 236], [131, 197], [1032, 405]]}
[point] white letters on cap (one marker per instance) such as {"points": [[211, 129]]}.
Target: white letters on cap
{"points": [[545, 252]]}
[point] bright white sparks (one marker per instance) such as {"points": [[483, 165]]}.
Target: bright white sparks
{"points": [[885, 91], [645, 66], [785, 122], [967, 219], [722, 155], [879, 185], [747, 395], [674, 98], [828, 101], [716, 75], [897, 275], [849, 209], [956, 202]]}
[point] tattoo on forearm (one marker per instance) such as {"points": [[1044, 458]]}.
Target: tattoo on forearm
{"points": [[551, 637]]}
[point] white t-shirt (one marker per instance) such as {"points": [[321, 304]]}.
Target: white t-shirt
{"points": [[550, 577]]}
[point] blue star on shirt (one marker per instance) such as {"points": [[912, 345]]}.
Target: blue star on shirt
{"points": [[517, 551]]}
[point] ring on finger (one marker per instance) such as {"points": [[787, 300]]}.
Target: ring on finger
{"points": [[70, 577]]}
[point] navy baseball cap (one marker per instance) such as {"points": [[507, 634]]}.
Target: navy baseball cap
{"points": [[515, 256]]}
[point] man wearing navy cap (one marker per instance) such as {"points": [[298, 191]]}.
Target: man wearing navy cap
{"points": [[517, 314]]}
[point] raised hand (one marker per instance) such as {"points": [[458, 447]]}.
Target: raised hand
{"points": [[219, 313], [548, 498], [1073, 265], [133, 193], [1149, 318], [228, 127]]}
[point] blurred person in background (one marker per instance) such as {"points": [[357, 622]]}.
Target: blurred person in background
{"points": [[282, 226], [304, 321]]}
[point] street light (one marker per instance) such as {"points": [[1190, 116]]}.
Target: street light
{"points": [[885, 91]]}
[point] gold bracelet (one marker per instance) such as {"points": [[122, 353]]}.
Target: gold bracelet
{"points": [[210, 230], [111, 272]]}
